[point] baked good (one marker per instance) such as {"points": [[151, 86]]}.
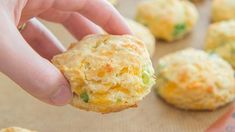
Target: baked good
{"points": [[143, 34], [107, 73], [221, 40], [15, 129], [223, 10], [192, 79], [167, 19]]}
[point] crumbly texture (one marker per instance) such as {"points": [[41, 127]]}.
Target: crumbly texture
{"points": [[143, 34], [167, 19], [223, 10], [107, 73], [221, 40], [194, 80], [15, 129]]}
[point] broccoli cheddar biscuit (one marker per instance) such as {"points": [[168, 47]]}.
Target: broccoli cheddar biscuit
{"points": [[107, 73], [143, 34], [167, 19], [221, 40], [15, 129], [223, 10], [192, 79]]}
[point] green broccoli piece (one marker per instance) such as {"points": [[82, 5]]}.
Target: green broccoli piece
{"points": [[179, 29], [84, 96], [145, 77]]}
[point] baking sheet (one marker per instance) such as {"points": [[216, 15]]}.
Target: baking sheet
{"points": [[17, 108]]}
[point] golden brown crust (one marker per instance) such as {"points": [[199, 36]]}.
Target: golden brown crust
{"points": [[77, 102]]}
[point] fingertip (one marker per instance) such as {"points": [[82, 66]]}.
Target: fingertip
{"points": [[62, 96], [117, 25], [126, 28]]}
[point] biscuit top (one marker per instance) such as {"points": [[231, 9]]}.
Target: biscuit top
{"points": [[223, 10], [144, 34], [167, 19], [221, 40], [194, 68], [192, 79], [220, 33], [167, 9]]}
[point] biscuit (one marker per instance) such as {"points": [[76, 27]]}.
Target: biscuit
{"points": [[194, 80], [223, 10], [168, 20], [143, 34], [107, 73], [221, 40]]}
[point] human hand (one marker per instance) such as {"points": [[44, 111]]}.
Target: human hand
{"points": [[24, 56], [224, 123]]}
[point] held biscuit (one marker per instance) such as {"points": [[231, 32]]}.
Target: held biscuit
{"points": [[194, 80], [167, 19], [107, 73], [221, 40]]}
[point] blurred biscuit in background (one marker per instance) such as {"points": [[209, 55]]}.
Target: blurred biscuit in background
{"points": [[143, 34], [168, 20], [192, 79], [223, 10], [221, 40]]}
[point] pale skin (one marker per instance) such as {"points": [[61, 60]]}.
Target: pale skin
{"points": [[25, 56]]}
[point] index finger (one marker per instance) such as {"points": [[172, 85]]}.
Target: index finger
{"points": [[100, 12]]}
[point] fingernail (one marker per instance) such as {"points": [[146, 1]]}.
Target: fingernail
{"points": [[62, 96]]}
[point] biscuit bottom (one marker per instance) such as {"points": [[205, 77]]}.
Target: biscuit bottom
{"points": [[104, 109]]}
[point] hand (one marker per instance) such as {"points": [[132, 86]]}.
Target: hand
{"points": [[224, 123], [24, 57]]}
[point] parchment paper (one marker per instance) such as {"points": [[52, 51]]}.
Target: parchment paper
{"points": [[17, 108]]}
